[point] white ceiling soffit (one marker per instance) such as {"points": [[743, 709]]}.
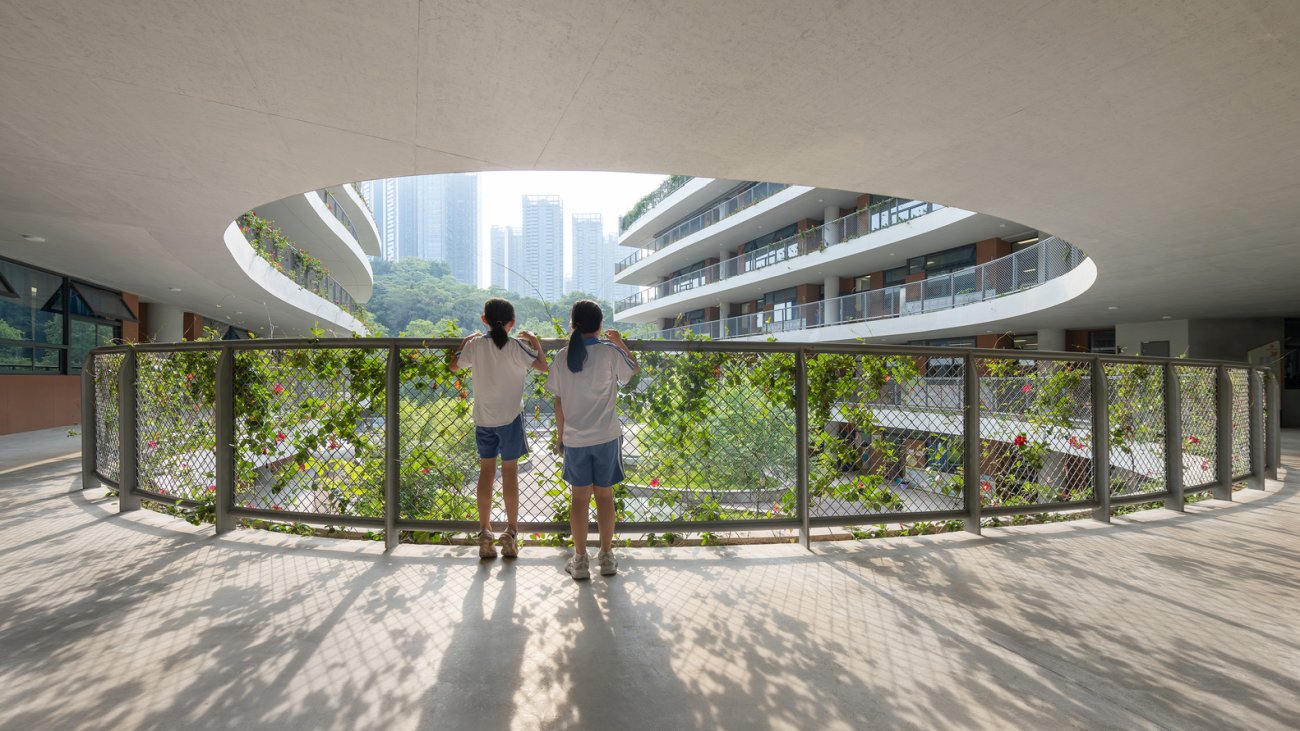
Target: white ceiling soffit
{"points": [[1159, 137]]}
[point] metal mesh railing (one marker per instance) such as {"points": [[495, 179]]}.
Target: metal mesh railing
{"points": [[309, 431], [176, 446], [1238, 377], [716, 436], [1199, 444], [1136, 407], [1035, 432], [107, 437]]}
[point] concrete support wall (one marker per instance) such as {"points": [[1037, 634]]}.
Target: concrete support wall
{"points": [[164, 323], [1051, 339], [1129, 337]]}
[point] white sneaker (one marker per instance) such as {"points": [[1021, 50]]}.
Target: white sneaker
{"points": [[485, 547], [509, 544], [577, 567], [608, 564]]}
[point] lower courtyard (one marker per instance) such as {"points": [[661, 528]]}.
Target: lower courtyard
{"points": [[1157, 620]]}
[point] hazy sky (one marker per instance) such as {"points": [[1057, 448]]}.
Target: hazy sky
{"points": [[500, 201]]}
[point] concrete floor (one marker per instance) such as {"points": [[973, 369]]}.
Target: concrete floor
{"points": [[142, 621]]}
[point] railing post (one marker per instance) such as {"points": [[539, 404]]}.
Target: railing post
{"points": [[88, 423], [801, 445], [128, 430], [224, 395], [1173, 439], [392, 448], [1100, 442], [1223, 433], [972, 449], [1274, 425], [1255, 396]]}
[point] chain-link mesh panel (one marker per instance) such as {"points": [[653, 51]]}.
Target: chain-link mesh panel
{"points": [[1136, 412], [176, 426], [1036, 438], [1240, 421], [885, 439], [709, 436], [107, 437], [439, 462], [309, 430], [1196, 386]]}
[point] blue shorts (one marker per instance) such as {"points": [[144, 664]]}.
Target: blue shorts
{"points": [[507, 441], [600, 465]]}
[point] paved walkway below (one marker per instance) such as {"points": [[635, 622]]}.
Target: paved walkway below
{"points": [[144, 622]]}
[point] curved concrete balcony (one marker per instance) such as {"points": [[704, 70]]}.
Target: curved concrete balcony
{"points": [[1044, 275], [279, 275], [330, 224]]}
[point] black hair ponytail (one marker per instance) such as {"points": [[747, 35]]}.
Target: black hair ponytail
{"points": [[498, 313], [586, 318]]}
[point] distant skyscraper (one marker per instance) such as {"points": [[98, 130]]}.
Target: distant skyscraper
{"points": [[431, 217], [543, 243], [502, 241], [515, 261], [588, 255]]}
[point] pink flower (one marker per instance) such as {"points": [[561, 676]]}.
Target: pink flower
{"points": [[1205, 464], [1026, 388], [280, 436], [212, 488], [153, 444], [189, 376], [1074, 442], [276, 507], [654, 482], [278, 389], [1021, 440], [1193, 440]]}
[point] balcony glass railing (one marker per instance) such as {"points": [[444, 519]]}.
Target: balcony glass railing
{"points": [[332, 204], [304, 269], [729, 207], [646, 204], [356, 187], [842, 230], [1025, 269]]}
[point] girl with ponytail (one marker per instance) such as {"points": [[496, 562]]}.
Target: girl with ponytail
{"points": [[585, 381], [500, 363]]}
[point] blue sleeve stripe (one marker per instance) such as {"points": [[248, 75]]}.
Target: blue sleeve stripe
{"points": [[530, 353], [620, 352]]}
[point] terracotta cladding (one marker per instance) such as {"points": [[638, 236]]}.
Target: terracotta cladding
{"points": [[39, 402]]}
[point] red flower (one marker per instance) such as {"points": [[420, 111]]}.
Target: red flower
{"points": [[985, 486], [1074, 442], [163, 491], [189, 376], [280, 436], [463, 394], [276, 507], [278, 389], [1026, 388], [302, 468], [153, 444], [212, 488], [1021, 440], [1193, 440], [333, 444], [424, 470], [654, 482]]}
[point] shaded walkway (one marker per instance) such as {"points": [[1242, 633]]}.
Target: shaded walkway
{"points": [[1158, 620]]}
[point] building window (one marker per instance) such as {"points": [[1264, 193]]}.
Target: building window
{"points": [[49, 322], [895, 277], [1101, 341]]}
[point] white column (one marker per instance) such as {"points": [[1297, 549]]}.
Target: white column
{"points": [[166, 323], [1051, 339], [830, 234], [831, 290]]}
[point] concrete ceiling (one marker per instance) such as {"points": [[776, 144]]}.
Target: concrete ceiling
{"points": [[1158, 136]]}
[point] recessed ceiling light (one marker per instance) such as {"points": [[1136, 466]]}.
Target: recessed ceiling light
{"points": [[1112, 307], [175, 289], [1002, 225], [218, 307], [238, 313], [34, 238], [1166, 317]]}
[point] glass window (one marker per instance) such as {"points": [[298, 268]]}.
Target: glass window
{"points": [[1101, 341], [24, 317], [896, 276], [87, 334]]}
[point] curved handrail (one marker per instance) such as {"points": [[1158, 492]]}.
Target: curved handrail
{"points": [[376, 432], [1050, 258], [300, 267], [843, 230]]}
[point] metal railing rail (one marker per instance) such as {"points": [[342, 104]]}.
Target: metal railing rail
{"points": [[647, 204], [746, 198], [375, 432], [819, 238], [1030, 267], [336, 208]]}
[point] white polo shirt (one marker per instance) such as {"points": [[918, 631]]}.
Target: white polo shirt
{"points": [[498, 378], [587, 397]]}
